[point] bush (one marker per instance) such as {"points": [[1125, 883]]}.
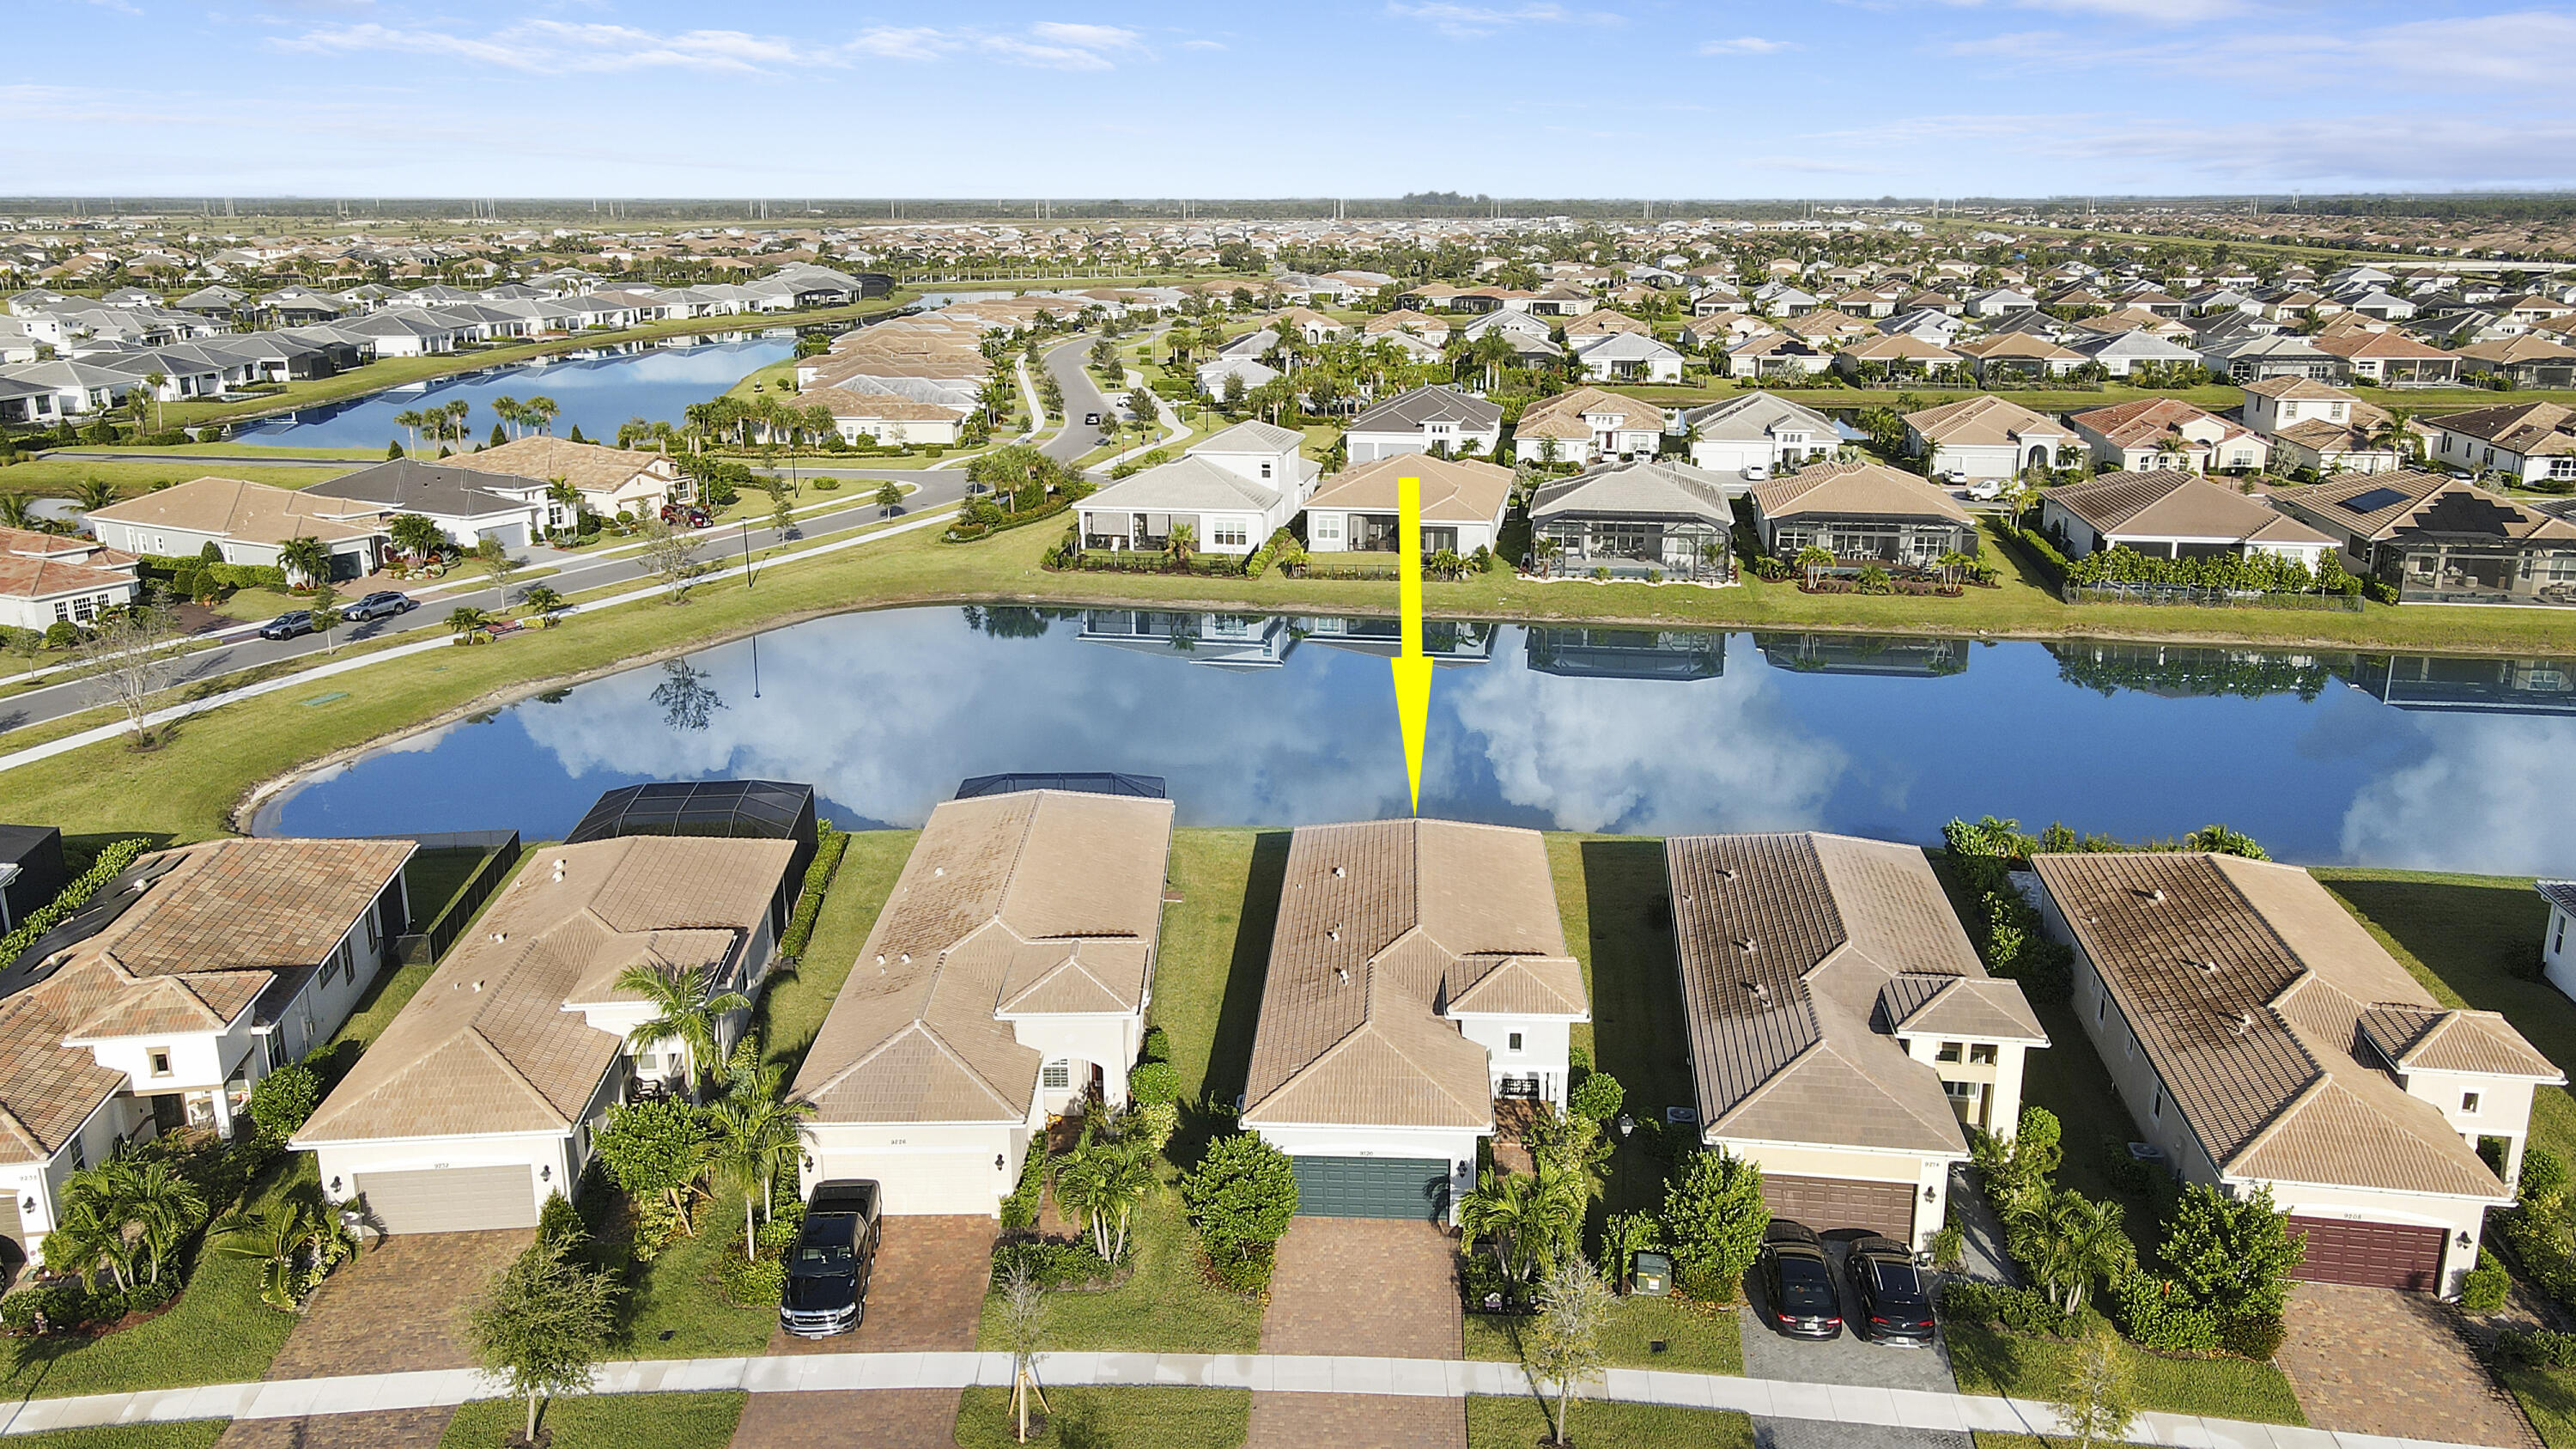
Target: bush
{"points": [[2160, 1315], [1158, 1046], [1051, 1264], [751, 1285], [2543, 1187], [1598, 1096], [1154, 1084], [1245, 1270], [2254, 1335], [1020, 1209], [2483, 1289], [560, 1222], [1713, 1221], [1241, 1196], [829, 844], [106, 866], [2052, 564], [2017, 1310], [1949, 1246], [283, 1100], [149, 1297], [2539, 1350]]}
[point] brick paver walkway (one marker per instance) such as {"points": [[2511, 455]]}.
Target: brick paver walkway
{"points": [[1376, 1287], [2376, 1361], [926, 1293]]}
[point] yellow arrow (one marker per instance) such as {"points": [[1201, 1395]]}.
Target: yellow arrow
{"points": [[1412, 670]]}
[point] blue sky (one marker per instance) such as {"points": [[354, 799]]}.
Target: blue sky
{"points": [[1600, 98]]}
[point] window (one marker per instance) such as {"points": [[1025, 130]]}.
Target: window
{"points": [[2101, 1005], [1516, 1041], [2563, 467], [648, 1060], [2561, 943], [1950, 1051], [1265, 468], [2469, 1102], [1056, 1076], [160, 1061], [1982, 1054], [1229, 534], [2158, 1112], [1328, 527]]}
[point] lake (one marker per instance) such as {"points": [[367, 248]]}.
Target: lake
{"points": [[2462, 764], [596, 394]]}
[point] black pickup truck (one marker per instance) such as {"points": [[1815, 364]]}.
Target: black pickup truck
{"points": [[827, 1270]]}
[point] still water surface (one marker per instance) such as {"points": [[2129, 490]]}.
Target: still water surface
{"points": [[2399, 761], [597, 394]]}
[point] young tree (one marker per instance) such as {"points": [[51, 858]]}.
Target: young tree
{"points": [[2075, 1242], [325, 608], [132, 655], [1714, 1217], [2095, 1406], [1024, 1308], [656, 1149], [889, 498], [543, 1325], [1241, 1195], [782, 514], [672, 557], [543, 603], [2233, 1256], [493, 558], [1565, 1341]]}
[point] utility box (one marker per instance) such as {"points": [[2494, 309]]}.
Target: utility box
{"points": [[1653, 1275]]}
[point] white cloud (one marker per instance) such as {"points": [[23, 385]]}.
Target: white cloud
{"points": [[555, 46], [1202, 45], [1746, 45], [2370, 151], [2472, 802], [1472, 21]]}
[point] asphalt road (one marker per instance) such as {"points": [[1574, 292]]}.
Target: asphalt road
{"points": [[574, 572], [1082, 396]]}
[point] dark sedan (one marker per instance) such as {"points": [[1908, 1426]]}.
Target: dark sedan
{"points": [[383, 604], [288, 625], [1895, 1302], [1798, 1279]]}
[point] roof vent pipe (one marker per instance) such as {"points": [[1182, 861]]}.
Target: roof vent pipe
{"points": [[1342, 973], [559, 868]]}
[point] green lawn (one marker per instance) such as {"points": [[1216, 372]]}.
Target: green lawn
{"points": [[1990, 1362], [433, 875], [1518, 1423], [673, 1309], [2548, 1399], [1165, 1306], [793, 1007], [1609, 893], [2464, 936], [1099, 1418], [188, 1434], [58, 477], [604, 1421], [1697, 1339], [1216, 939]]}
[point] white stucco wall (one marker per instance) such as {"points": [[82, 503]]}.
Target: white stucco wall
{"points": [[1544, 1050]]}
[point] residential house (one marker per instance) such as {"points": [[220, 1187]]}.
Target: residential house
{"points": [[2254, 357], [1214, 378], [2164, 432], [2440, 540], [52, 578], [1462, 506], [247, 523], [1757, 430], [1626, 357], [2008, 357], [1419, 324], [890, 418], [2533, 442], [2259, 1037], [486, 1093], [1312, 325], [1602, 322], [2389, 357], [1635, 520], [1587, 425], [1775, 355], [2170, 513], [1980, 438], [1999, 302], [1436, 416], [1860, 512], [1418, 974], [468, 506], [1842, 1034], [184, 981], [2320, 428], [610, 480], [2527, 361], [1232, 490], [1898, 355], [1004, 984], [2121, 352], [2557, 959]]}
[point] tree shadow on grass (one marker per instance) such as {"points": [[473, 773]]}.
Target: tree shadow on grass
{"points": [[1239, 1014]]}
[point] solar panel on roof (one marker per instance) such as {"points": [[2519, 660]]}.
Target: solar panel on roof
{"points": [[2372, 500]]}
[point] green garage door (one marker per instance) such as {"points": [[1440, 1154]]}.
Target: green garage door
{"points": [[1372, 1187]]}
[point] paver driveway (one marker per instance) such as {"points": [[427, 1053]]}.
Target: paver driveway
{"points": [[1849, 1359], [2377, 1361], [927, 1293], [398, 1305], [1371, 1287]]}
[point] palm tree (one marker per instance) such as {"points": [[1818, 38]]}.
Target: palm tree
{"points": [[1181, 543], [415, 535], [16, 511], [541, 413], [757, 1135], [542, 603], [278, 1238], [88, 1239], [686, 1009], [1499, 1208], [2079, 1240], [465, 620], [153, 382], [509, 411], [94, 494], [304, 559], [165, 1206], [411, 423]]}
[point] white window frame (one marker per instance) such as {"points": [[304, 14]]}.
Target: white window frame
{"points": [[1057, 1075]]}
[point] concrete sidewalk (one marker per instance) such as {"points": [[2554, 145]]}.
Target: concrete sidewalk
{"points": [[1397, 1377]]}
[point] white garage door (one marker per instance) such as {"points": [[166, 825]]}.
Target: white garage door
{"points": [[451, 1199], [926, 1183]]}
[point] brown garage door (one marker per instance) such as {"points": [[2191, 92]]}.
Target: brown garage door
{"points": [[1829, 1203], [2374, 1255]]}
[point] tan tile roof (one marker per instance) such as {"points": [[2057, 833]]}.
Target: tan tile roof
{"points": [[1900, 347], [1452, 491], [591, 467], [1562, 416], [844, 403], [238, 905], [2434, 1039], [1381, 924], [2298, 389], [2018, 345], [1800, 955], [40, 578], [2531, 429], [489, 1045], [1601, 322], [2172, 503], [64, 548], [1032, 902], [2419, 495], [234, 508], [2248, 988], [2129, 424], [1981, 420], [1854, 489], [2526, 348]]}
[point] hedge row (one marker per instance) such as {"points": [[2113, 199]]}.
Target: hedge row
{"points": [[829, 844], [964, 532]]}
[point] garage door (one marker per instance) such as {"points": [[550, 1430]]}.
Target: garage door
{"points": [[1829, 1203], [1372, 1187], [2374, 1255], [451, 1199], [916, 1184]]}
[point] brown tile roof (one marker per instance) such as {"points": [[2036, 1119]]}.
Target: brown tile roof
{"points": [[2172, 503], [1452, 491], [1980, 420], [2299, 389], [2526, 348], [2249, 989], [251, 512], [1854, 490], [591, 467], [243, 905], [64, 548], [1900, 347], [40, 578], [2359, 342], [1383, 926], [2129, 424], [1799, 956], [1562, 416], [490, 1044], [844, 403], [2531, 429], [1601, 321], [1038, 901]]}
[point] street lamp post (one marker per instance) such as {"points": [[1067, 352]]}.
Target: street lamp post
{"points": [[746, 553]]}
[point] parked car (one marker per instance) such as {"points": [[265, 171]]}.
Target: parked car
{"points": [[1798, 1281], [827, 1271], [1091, 420], [1986, 491], [382, 604], [1757, 473], [1895, 1303], [686, 515], [288, 625]]}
